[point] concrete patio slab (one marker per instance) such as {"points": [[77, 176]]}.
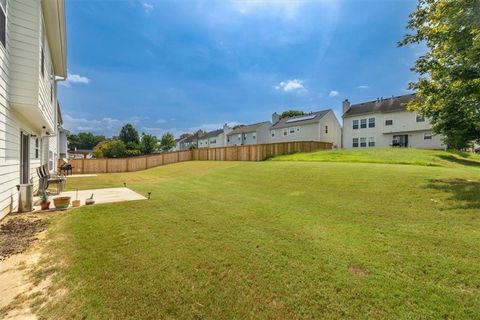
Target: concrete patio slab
{"points": [[107, 195], [86, 175]]}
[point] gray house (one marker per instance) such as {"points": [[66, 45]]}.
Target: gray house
{"points": [[256, 133], [215, 138]]}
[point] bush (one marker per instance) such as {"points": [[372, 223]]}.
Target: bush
{"points": [[114, 149], [132, 152]]}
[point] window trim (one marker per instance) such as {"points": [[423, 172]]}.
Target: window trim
{"points": [[371, 122], [428, 136], [364, 143], [355, 143], [371, 141], [363, 123], [420, 118], [326, 129], [389, 122], [355, 124]]}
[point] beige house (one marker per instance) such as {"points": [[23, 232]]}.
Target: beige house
{"points": [[257, 133], [33, 59], [315, 126], [387, 122], [215, 138]]}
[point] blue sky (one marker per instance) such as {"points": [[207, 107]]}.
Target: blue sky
{"points": [[183, 65]]}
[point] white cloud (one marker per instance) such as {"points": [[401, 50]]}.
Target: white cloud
{"points": [[106, 126], [291, 85], [147, 7], [363, 87], [161, 121], [333, 93], [74, 79]]}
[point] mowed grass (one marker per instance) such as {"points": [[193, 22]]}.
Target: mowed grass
{"points": [[388, 155], [273, 240]]}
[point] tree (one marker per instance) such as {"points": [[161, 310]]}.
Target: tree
{"points": [[167, 142], [148, 144], [291, 113], [448, 88], [110, 149], [83, 140], [129, 136]]}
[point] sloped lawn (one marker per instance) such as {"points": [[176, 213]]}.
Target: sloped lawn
{"points": [[273, 240]]}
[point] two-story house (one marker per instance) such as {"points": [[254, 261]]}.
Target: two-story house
{"points": [[315, 126], [215, 138], [33, 59], [387, 122], [257, 133]]}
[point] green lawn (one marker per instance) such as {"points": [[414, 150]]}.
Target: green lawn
{"points": [[388, 155], [274, 240]]}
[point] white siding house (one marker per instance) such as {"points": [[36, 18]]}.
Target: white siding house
{"points": [[315, 126], [215, 139], [32, 55], [386, 122], [257, 133]]}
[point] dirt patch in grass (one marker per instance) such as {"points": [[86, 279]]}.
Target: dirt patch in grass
{"points": [[357, 270], [18, 233]]}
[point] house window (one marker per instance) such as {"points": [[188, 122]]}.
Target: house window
{"points": [[254, 136], [3, 23], [427, 136], [50, 160], [371, 122], [363, 142], [37, 152], [363, 123], [228, 139], [371, 142], [388, 122], [239, 137], [273, 133], [298, 129], [245, 137], [355, 124], [285, 131], [292, 130], [326, 129], [213, 141], [355, 143], [420, 118]]}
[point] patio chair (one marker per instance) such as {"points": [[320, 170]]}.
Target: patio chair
{"points": [[45, 179]]}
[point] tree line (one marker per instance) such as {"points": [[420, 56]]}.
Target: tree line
{"points": [[128, 143]]}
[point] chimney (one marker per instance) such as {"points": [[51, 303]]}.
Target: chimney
{"points": [[346, 105], [275, 117]]}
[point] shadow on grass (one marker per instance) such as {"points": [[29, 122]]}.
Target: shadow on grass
{"points": [[462, 161], [467, 192]]}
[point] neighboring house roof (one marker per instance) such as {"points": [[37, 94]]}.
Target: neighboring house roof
{"points": [[192, 138], [382, 105], [248, 128], [211, 134], [309, 118]]}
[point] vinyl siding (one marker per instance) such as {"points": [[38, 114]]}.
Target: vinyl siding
{"points": [[19, 85]]}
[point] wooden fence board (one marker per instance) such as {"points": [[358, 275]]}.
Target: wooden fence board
{"points": [[257, 152]]}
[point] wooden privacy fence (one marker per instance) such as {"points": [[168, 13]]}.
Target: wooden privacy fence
{"points": [[257, 152]]}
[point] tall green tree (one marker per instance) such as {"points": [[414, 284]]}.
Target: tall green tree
{"points": [[84, 140], [148, 143], [167, 142], [129, 136], [291, 113], [448, 88]]}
